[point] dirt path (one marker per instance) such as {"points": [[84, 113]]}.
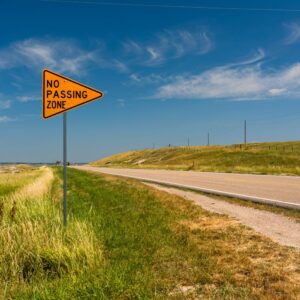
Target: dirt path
{"points": [[279, 228]]}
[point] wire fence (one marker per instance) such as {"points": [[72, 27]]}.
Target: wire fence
{"points": [[295, 147]]}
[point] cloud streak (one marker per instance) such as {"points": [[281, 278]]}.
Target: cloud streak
{"points": [[4, 104], [25, 99], [235, 82], [170, 44], [61, 55], [67, 56], [293, 33], [6, 119], [138, 79], [64, 56]]}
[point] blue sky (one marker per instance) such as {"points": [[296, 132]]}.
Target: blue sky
{"points": [[169, 74]]}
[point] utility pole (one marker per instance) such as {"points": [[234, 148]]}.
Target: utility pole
{"points": [[245, 133], [188, 142], [208, 142]]}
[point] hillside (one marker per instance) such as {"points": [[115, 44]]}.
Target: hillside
{"points": [[262, 158]]}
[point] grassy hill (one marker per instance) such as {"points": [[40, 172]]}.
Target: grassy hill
{"points": [[262, 158]]}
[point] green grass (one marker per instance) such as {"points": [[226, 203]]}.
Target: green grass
{"points": [[34, 246], [261, 158], [9, 182], [152, 245]]}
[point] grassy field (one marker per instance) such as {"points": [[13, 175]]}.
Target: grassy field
{"points": [[34, 246], [261, 158], [12, 178], [128, 241]]}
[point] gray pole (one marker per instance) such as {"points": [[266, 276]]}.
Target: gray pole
{"points": [[65, 165], [245, 132], [208, 139]]}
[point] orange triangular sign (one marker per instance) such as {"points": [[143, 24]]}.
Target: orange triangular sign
{"points": [[61, 94]]}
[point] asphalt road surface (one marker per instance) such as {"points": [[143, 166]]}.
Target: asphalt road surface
{"points": [[279, 190]]}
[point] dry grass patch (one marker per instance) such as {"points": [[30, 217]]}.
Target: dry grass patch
{"points": [[10, 182], [209, 223], [242, 258], [16, 168], [37, 188], [262, 158]]}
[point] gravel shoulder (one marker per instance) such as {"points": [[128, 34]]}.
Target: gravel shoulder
{"points": [[279, 228]]}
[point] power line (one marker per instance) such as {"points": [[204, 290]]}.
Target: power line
{"points": [[130, 4]]}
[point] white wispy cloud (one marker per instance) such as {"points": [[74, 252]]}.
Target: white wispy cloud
{"points": [[118, 65], [31, 98], [68, 56], [64, 55], [170, 44], [4, 104], [6, 119], [293, 33], [155, 78], [257, 57], [241, 81], [140, 79], [121, 102], [60, 55]]}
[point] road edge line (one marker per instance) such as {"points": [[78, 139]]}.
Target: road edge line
{"points": [[278, 203]]}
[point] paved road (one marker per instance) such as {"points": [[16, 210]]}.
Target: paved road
{"points": [[281, 190]]}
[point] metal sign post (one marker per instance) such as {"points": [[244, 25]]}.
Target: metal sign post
{"points": [[65, 166], [61, 94]]}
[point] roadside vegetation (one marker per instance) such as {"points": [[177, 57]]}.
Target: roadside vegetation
{"points": [[34, 246], [12, 178], [258, 158], [129, 241]]}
